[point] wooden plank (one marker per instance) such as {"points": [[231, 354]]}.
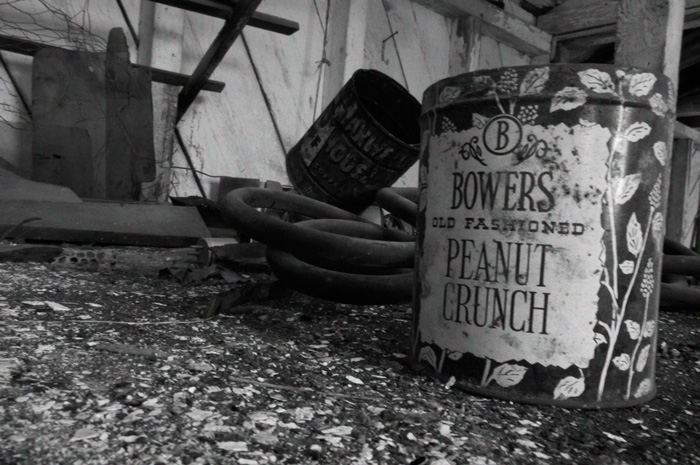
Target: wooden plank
{"points": [[465, 45], [498, 24], [68, 89], [682, 151], [580, 15], [28, 252], [689, 106], [692, 199], [223, 10], [161, 31], [681, 131], [649, 35], [129, 152], [62, 155], [230, 135], [30, 48], [105, 223], [14, 187], [421, 41], [575, 15], [345, 48], [217, 50], [289, 69]]}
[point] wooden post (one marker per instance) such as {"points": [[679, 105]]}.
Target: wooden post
{"points": [[649, 35], [161, 30], [346, 44]]}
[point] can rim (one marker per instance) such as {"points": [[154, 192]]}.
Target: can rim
{"points": [[394, 83]]}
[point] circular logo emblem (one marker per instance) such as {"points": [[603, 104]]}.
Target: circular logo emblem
{"points": [[502, 134]]}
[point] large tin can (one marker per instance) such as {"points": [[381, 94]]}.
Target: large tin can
{"points": [[365, 139], [540, 227]]}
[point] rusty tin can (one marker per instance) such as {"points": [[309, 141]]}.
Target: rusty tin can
{"points": [[540, 231], [365, 139]]}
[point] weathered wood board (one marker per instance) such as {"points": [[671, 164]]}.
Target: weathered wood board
{"points": [[63, 155], [105, 223], [14, 187], [82, 25], [129, 153], [68, 89]]}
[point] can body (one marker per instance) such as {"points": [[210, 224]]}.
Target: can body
{"points": [[364, 140], [540, 228]]}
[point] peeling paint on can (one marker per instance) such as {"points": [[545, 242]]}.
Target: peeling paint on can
{"points": [[540, 229]]}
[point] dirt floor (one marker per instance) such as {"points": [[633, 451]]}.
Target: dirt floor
{"points": [[107, 360]]}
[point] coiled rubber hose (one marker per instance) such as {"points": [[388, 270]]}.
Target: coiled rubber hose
{"points": [[342, 257]]}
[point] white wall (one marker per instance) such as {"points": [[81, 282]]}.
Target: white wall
{"points": [[274, 83]]}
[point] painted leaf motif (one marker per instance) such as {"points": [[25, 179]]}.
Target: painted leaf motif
{"points": [[479, 121], [641, 84], [644, 388], [534, 81], [626, 187], [598, 81], [627, 267], [507, 375], [649, 328], [448, 94], [622, 362], [660, 152], [455, 355], [657, 226], [642, 358], [600, 339], [569, 387], [427, 354], [634, 235], [633, 329], [637, 131], [568, 98], [658, 105]]}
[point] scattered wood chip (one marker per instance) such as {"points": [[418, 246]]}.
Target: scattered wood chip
{"points": [[354, 380], [125, 349], [86, 433], [56, 307], [233, 446]]}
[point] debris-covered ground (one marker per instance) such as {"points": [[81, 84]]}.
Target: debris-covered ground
{"points": [[109, 361]]}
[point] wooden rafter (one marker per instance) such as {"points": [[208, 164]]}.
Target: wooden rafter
{"points": [[30, 48], [223, 9], [497, 23], [585, 18], [233, 27]]}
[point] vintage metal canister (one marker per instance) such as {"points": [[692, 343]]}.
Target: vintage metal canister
{"points": [[365, 139], [541, 221]]}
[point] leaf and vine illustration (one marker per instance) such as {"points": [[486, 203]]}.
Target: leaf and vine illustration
{"points": [[628, 269]]}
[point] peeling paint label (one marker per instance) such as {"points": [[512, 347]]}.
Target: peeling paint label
{"points": [[540, 232], [513, 240]]}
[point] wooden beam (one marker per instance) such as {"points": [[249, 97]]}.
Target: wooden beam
{"points": [[682, 131], [688, 107], [105, 223], [233, 27], [582, 15], [677, 195], [345, 50], [497, 24], [30, 48], [649, 35], [223, 10]]}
